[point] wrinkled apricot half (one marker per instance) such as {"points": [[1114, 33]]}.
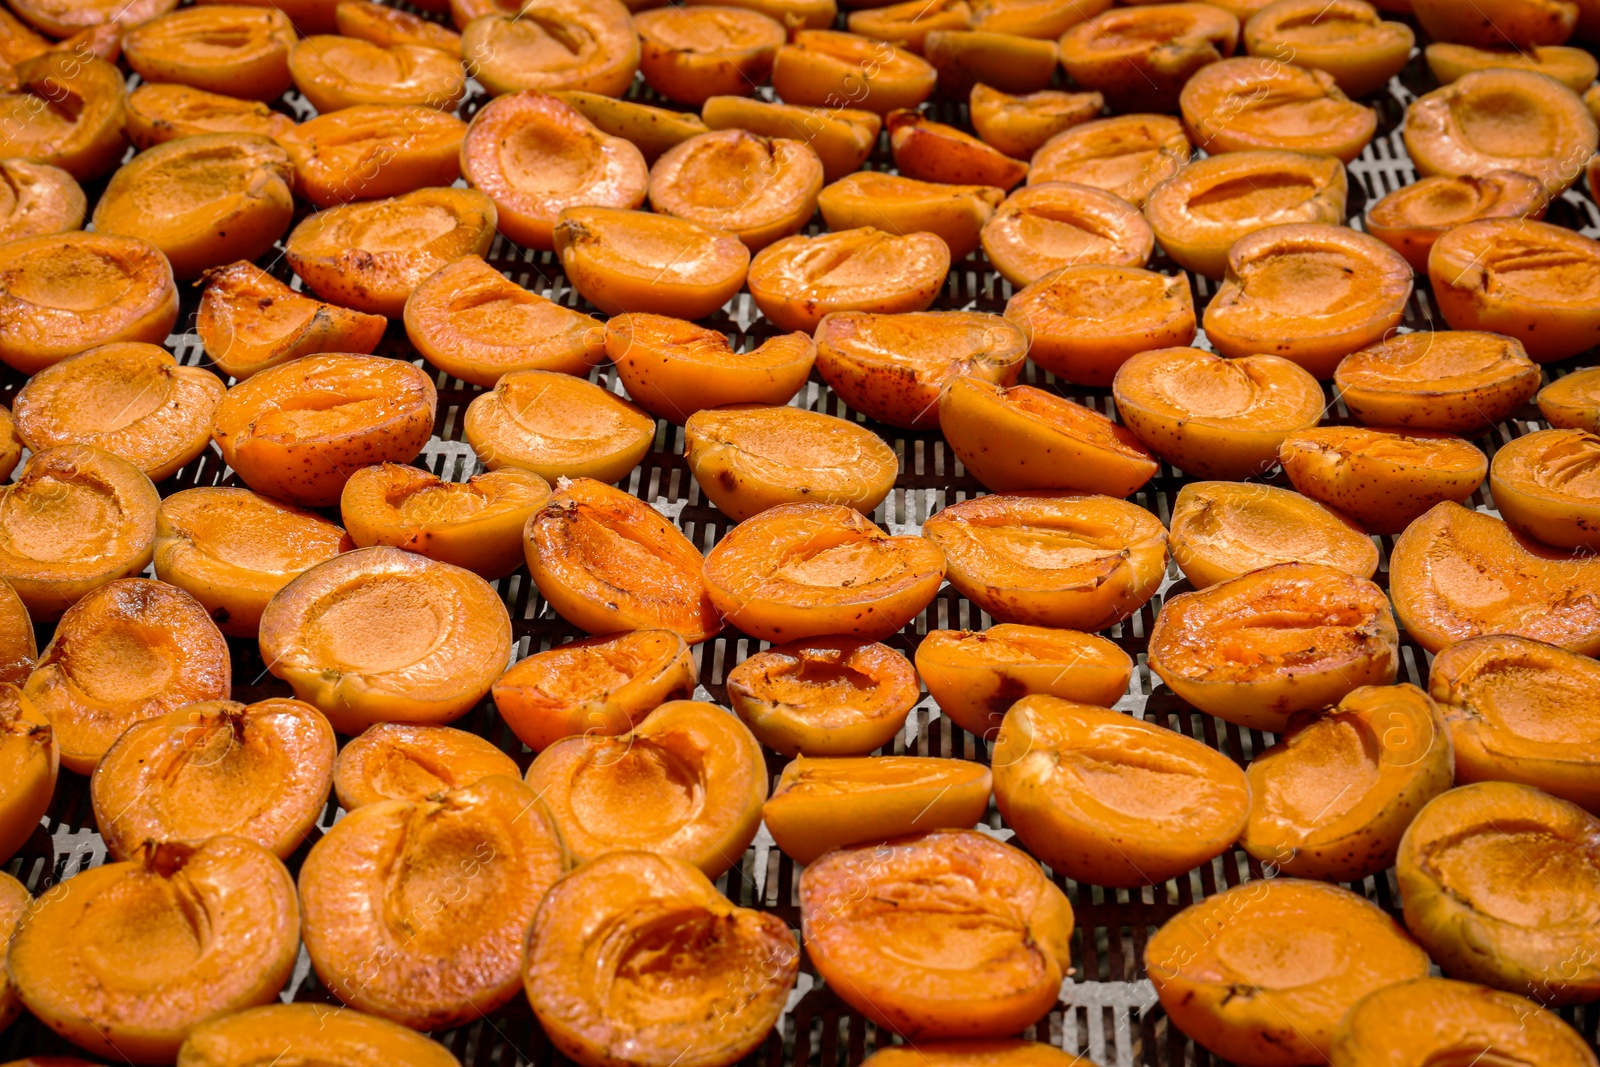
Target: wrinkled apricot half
{"points": [[239, 50], [116, 964], [1573, 67], [1045, 227], [1127, 156], [163, 112], [1111, 800], [759, 188], [609, 981], [690, 54], [1383, 479], [334, 72], [964, 59], [250, 321], [1075, 562], [1306, 952], [955, 935], [1572, 400], [936, 152], [899, 205], [1140, 57], [588, 45], [1410, 219], [298, 431], [1084, 322], [639, 261], [1222, 530], [383, 635], [557, 426], [1215, 417], [673, 368], [65, 110], [31, 763], [1286, 638], [1456, 573], [825, 696], [1453, 381], [374, 150], [416, 910], [385, 25], [36, 198], [1346, 38], [1544, 484], [1244, 103], [842, 137], [404, 761], [807, 570], [335, 1036], [600, 687], [799, 280], [1020, 125], [826, 68]]}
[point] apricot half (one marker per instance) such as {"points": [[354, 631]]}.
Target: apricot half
{"points": [[1244, 103], [1140, 57], [66, 110], [1413, 217], [374, 150], [416, 910], [599, 687], [609, 980], [937, 152], [673, 368], [1048, 226], [333, 1035], [1075, 562], [1084, 322], [557, 426], [116, 962], [335, 72], [249, 321], [1346, 38], [1020, 125], [588, 45], [163, 112], [826, 68], [638, 261], [1222, 530], [842, 137], [404, 761], [239, 50], [1452, 381], [258, 771], [993, 1052], [15, 900], [31, 763], [690, 54], [386, 25], [1305, 951], [1127, 156], [36, 198], [1573, 67], [908, 23], [1544, 485], [1518, 23], [1572, 400], [751, 457], [1383, 479], [1286, 638], [824, 696], [1015, 64], [1465, 872], [799, 280], [944, 934]]}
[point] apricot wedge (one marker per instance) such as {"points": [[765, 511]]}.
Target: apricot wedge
{"points": [[824, 696], [1383, 479], [937, 152], [652, 130], [250, 321], [158, 112], [405, 761], [1223, 530]]}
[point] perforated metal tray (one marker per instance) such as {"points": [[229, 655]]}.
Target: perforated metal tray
{"points": [[1108, 1010]]}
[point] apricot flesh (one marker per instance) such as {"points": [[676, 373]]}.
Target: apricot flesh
{"points": [[557, 426], [326, 1032], [162, 112], [1452, 381], [37, 199], [824, 697], [1572, 400], [799, 280], [1140, 57], [405, 761], [761, 188], [637, 261], [1348, 39], [1244, 103], [374, 150], [675, 369], [1412, 218], [31, 762], [1222, 530], [1050, 225], [1383, 479], [1084, 322], [1128, 155]]}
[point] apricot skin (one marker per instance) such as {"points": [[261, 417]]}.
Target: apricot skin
{"points": [[1452, 381]]}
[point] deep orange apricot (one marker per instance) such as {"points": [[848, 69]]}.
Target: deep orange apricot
{"points": [[1346, 38], [842, 137], [964, 59], [321, 1030], [936, 152], [1140, 57], [249, 321], [557, 426], [1381, 478], [639, 261], [673, 368], [1045, 227], [385, 25], [1042, 19], [757, 187], [1084, 322], [1413, 217], [19, 647], [909, 22], [36, 198], [15, 900], [334, 72], [824, 696], [1222, 530], [1572, 400], [1573, 67], [157, 113], [899, 205], [1264, 103], [1543, 484], [65, 110], [373, 150], [1514, 23], [312, 16], [242, 51], [31, 762], [588, 45], [405, 761], [1127, 156], [1453, 381], [826, 68], [991, 1052], [799, 280], [1020, 125], [690, 54]]}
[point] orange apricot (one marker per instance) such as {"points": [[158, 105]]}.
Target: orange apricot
{"points": [[842, 137], [798, 281], [65, 110], [67, 18], [373, 150], [1517, 23], [19, 647], [63, 293], [1453, 381], [1074, 562], [1222, 530], [1457, 573], [588, 45], [673, 368], [1084, 322], [1572, 400], [1346, 38], [331, 1034], [1045, 227], [936, 152], [1573, 67], [249, 321], [10, 444], [1014, 64], [335, 72], [1245, 103], [893, 368], [370, 256], [606, 561], [825, 696], [474, 323], [1544, 485], [31, 763], [652, 130], [74, 519], [1413, 217], [1043, 19], [299, 430], [1111, 800], [242, 51], [690, 54], [807, 570], [15, 900], [1140, 57], [405, 761], [1383, 479], [760, 188], [943, 934], [899, 205], [909, 22], [600, 686], [36, 199], [557, 426], [1128, 155], [385, 25], [639, 261], [535, 156], [1020, 125], [163, 112], [475, 524], [826, 68], [992, 1052]]}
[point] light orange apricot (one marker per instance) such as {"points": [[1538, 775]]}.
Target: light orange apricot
{"points": [[639, 261], [36, 198], [799, 280], [842, 137], [824, 696], [373, 150], [1572, 400], [250, 321], [1251, 102], [826, 68], [1413, 217], [1020, 125], [652, 130], [15, 900], [557, 426], [1381, 478], [335, 72], [587, 45], [1127, 156], [1045, 227], [1222, 530], [899, 205], [1083, 323], [966, 58], [1544, 485], [31, 762], [67, 111], [1042, 19], [385, 25], [242, 51], [311, 16], [990, 1052], [67, 18], [157, 113], [673, 368], [936, 152], [1140, 57], [690, 54], [405, 761], [1573, 67], [1347, 38], [760, 188], [1453, 381]]}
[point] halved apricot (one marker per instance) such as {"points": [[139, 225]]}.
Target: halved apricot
{"points": [[370, 256], [1111, 800], [334, 72], [943, 934], [242, 51], [608, 977], [1381, 478], [966, 58], [1544, 484], [474, 323], [1127, 156], [1501, 884], [1075, 562], [1020, 125], [386, 25], [10, 447], [1454, 381], [909, 22], [1253, 103], [1309, 292], [1026, 438], [1215, 417], [1222, 530], [535, 156], [652, 130], [374, 150], [807, 570], [1413, 217], [589, 45], [892, 368], [1042, 19], [62, 293], [116, 961], [1291, 637], [1456, 573], [673, 368], [759, 188], [31, 762], [1211, 203], [1140, 57], [15, 900], [404, 761], [557, 426], [157, 113], [258, 771], [476, 524], [383, 635], [333, 1035], [68, 18], [1573, 67], [250, 321], [36, 198], [748, 458], [842, 137], [298, 431], [65, 110], [75, 519], [600, 687], [690, 54], [824, 696], [606, 561], [1519, 710], [232, 550], [1045, 227], [1517, 23], [639, 261], [1529, 280], [936, 152], [416, 910], [1346, 38], [1572, 400], [899, 205], [826, 68], [1084, 322], [1306, 951], [799, 280], [1502, 120], [990, 1052]]}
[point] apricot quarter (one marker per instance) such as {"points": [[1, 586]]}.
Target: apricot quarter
{"points": [[31, 764], [1045, 227], [674, 369], [164, 112], [842, 137], [1245, 103], [374, 150], [652, 130], [1572, 67], [899, 205], [403, 761], [1020, 125], [587, 45], [1084, 322], [1223, 530], [1452, 381], [1347, 38], [1573, 400], [826, 68], [250, 321], [638, 261], [824, 697], [1127, 156], [65, 110], [936, 152], [242, 51], [690, 54], [336, 72], [966, 58], [799, 280], [557, 426], [1140, 57], [336, 1036], [1383, 479], [37, 199]]}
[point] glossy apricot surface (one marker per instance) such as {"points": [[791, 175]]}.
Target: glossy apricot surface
{"points": [[1242, 103], [1542, 486], [405, 761], [32, 764], [900, 205], [1348, 39], [36, 198], [1381, 478], [386, 25], [374, 150], [67, 111], [588, 45], [824, 696], [937, 152], [1573, 67], [1084, 322], [1140, 57], [690, 54], [674, 369], [966, 58], [1572, 400], [637, 261], [1128, 155], [249, 321], [1413, 217], [1222, 530], [335, 72], [1453, 381], [320, 1030], [1047, 226]]}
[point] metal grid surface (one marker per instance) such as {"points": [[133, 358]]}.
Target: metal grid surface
{"points": [[1108, 1010]]}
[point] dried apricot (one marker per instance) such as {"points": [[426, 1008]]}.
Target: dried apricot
{"points": [[899, 205], [557, 426], [826, 68], [335, 72], [1128, 155], [799, 280], [1245, 103], [239, 50], [1020, 125], [36, 199], [1346, 38], [1413, 217], [640, 261], [334, 1035], [1041, 228], [1223, 530], [405, 761], [374, 150], [1083, 323], [31, 763], [824, 696], [1140, 57], [588, 45], [250, 321], [936, 152], [842, 137], [1453, 381], [690, 54], [1544, 485], [157, 113], [673, 368], [1383, 479]]}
